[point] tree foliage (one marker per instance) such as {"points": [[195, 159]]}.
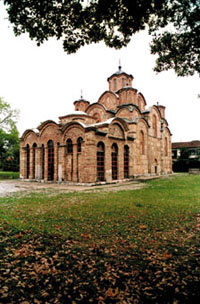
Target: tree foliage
{"points": [[9, 138], [114, 22]]}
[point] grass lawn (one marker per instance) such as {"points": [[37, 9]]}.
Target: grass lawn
{"points": [[138, 246], [8, 175]]}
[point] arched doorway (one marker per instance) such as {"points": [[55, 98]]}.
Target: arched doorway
{"points": [[50, 147], [126, 161], [156, 166], [100, 161], [34, 158], [27, 161], [114, 159]]}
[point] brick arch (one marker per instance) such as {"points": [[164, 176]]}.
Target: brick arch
{"points": [[51, 126], [109, 100], [97, 109], [30, 133], [121, 122], [141, 101], [157, 111], [129, 112], [73, 130]]}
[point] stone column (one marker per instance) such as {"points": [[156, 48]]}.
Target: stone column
{"points": [[120, 163], [23, 157], [38, 163], [55, 162], [108, 162], [31, 163]]}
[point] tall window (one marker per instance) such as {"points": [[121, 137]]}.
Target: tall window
{"points": [[123, 82], [166, 147], [34, 156], [142, 142], [69, 146], [42, 159], [100, 161], [27, 161], [114, 158], [154, 125], [79, 144], [126, 162], [50, 160]]}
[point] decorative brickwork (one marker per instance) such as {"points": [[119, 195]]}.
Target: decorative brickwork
{"points": [[113, 139]]}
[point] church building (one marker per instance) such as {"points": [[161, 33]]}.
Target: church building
{"points": [[115, 138]]}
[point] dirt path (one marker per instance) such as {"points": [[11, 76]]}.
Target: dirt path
{"points": [[8, 187]]}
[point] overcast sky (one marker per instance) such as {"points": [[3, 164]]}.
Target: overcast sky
{"points": [[43, 82]]}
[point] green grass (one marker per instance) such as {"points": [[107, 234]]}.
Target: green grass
{"points": [[8, 175], [138, 246]]}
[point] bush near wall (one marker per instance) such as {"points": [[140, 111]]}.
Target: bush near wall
{"points": [[183, 165], [8, 175]]}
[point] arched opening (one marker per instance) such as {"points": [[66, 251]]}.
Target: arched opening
{"points": [[126, 161], [142, 142], [154, 125], [34, 158], [100, 161], [79, 144], [50, 160], [27, 161], [42, 161], [114, 158], [97, 117], [69, 146]]}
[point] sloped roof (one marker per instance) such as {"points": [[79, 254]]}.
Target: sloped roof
{"points": [[186, 144]]}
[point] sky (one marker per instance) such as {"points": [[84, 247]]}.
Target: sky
{"points": [[43, 82]]}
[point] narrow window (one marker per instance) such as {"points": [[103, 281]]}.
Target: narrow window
{"points": [[166, 147], [100, 161], [69, 146], [123, 82], [126, 162], [50, 146], [114, 158], [142, 142], [79, 144], [27, 161], [154, 125]]}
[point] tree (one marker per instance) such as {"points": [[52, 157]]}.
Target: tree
{"points": [[9, 138], [8, 117], [114, 22]]}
